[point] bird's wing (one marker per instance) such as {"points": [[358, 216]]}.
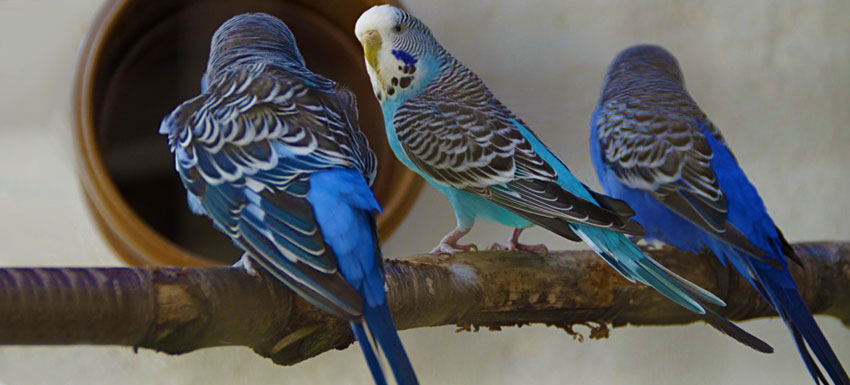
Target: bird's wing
{"points": [[476, 147], [664, 151], [246, 148]]}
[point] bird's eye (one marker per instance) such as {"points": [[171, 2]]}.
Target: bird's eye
{"points": [[397, 28]]}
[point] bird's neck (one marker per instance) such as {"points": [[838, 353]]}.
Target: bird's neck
{"points": [[294, 66], [639, 79], [397, 83]]}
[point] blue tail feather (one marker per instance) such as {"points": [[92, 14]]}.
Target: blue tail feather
{"points": [[633, 264], [343, 206], [383, 330], [778, 288], [368, 353]]}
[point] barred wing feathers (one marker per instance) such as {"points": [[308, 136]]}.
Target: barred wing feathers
{"points": [[245, 150], [459, 135], [655, 141]]}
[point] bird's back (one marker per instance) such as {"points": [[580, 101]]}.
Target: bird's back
{"points": [[246, 150]]}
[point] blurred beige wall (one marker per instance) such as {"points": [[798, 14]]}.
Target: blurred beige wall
{"points": [[773, 75]]}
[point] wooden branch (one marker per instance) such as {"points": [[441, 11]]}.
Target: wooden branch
{"points": [[178, 310]]}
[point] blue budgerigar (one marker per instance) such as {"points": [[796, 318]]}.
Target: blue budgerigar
{"points": [[443, 123], [272, 153], [654, 148]]}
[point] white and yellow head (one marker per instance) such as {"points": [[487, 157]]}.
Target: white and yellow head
{"points": [[401, 54]]}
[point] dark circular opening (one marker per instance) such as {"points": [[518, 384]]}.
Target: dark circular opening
{"points": [[153, 61]]}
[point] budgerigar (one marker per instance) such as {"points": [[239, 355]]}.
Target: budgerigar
{"points": [[653, 147], [443, 123], [272, 153]]}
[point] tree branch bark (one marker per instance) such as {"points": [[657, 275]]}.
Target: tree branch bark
{"points": [[177, 310]]}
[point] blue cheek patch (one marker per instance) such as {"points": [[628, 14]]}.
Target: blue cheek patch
{"points": [[406, 58], [407, 69]]}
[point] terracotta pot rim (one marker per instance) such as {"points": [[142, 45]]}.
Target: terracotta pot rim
{"points": [[132, 238], [111, 209]]}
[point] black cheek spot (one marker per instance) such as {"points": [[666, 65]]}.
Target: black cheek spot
{"points": [[405, 81], [400, 68], [390, 91], [412, 69], [380, 96], [395, 81]]}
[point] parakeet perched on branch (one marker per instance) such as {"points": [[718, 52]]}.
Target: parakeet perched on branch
{"points": [[654, 148], [443, 123], [272, 153]]}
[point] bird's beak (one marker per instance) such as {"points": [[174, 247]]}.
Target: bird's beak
{"points": [[371, 41]]}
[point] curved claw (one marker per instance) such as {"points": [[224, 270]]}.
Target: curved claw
{"points": [[540, 249], [443, 249], [449, 246], [451, 249], [245, 264], [513, 245]]}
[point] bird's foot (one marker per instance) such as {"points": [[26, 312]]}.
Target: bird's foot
{"points": [[446, 248], [655, 245], [539, 249], [449, 246], [513, 244], [246, 264]]}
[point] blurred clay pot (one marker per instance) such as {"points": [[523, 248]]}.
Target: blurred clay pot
{"points": [[140, 59]]}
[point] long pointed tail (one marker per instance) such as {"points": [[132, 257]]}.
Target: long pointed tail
{"points": [[778, 287], [383, 330], [369, 353], [633, 264]]}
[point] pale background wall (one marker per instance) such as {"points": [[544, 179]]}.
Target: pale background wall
{"points": [[773, 75]]}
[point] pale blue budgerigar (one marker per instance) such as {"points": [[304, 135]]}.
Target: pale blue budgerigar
{"points": [[272, 153], [443, 123], [653, 147]]}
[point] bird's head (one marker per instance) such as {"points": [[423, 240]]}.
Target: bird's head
{"points": [[401, 54], [645, 60], [250, 38]]}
